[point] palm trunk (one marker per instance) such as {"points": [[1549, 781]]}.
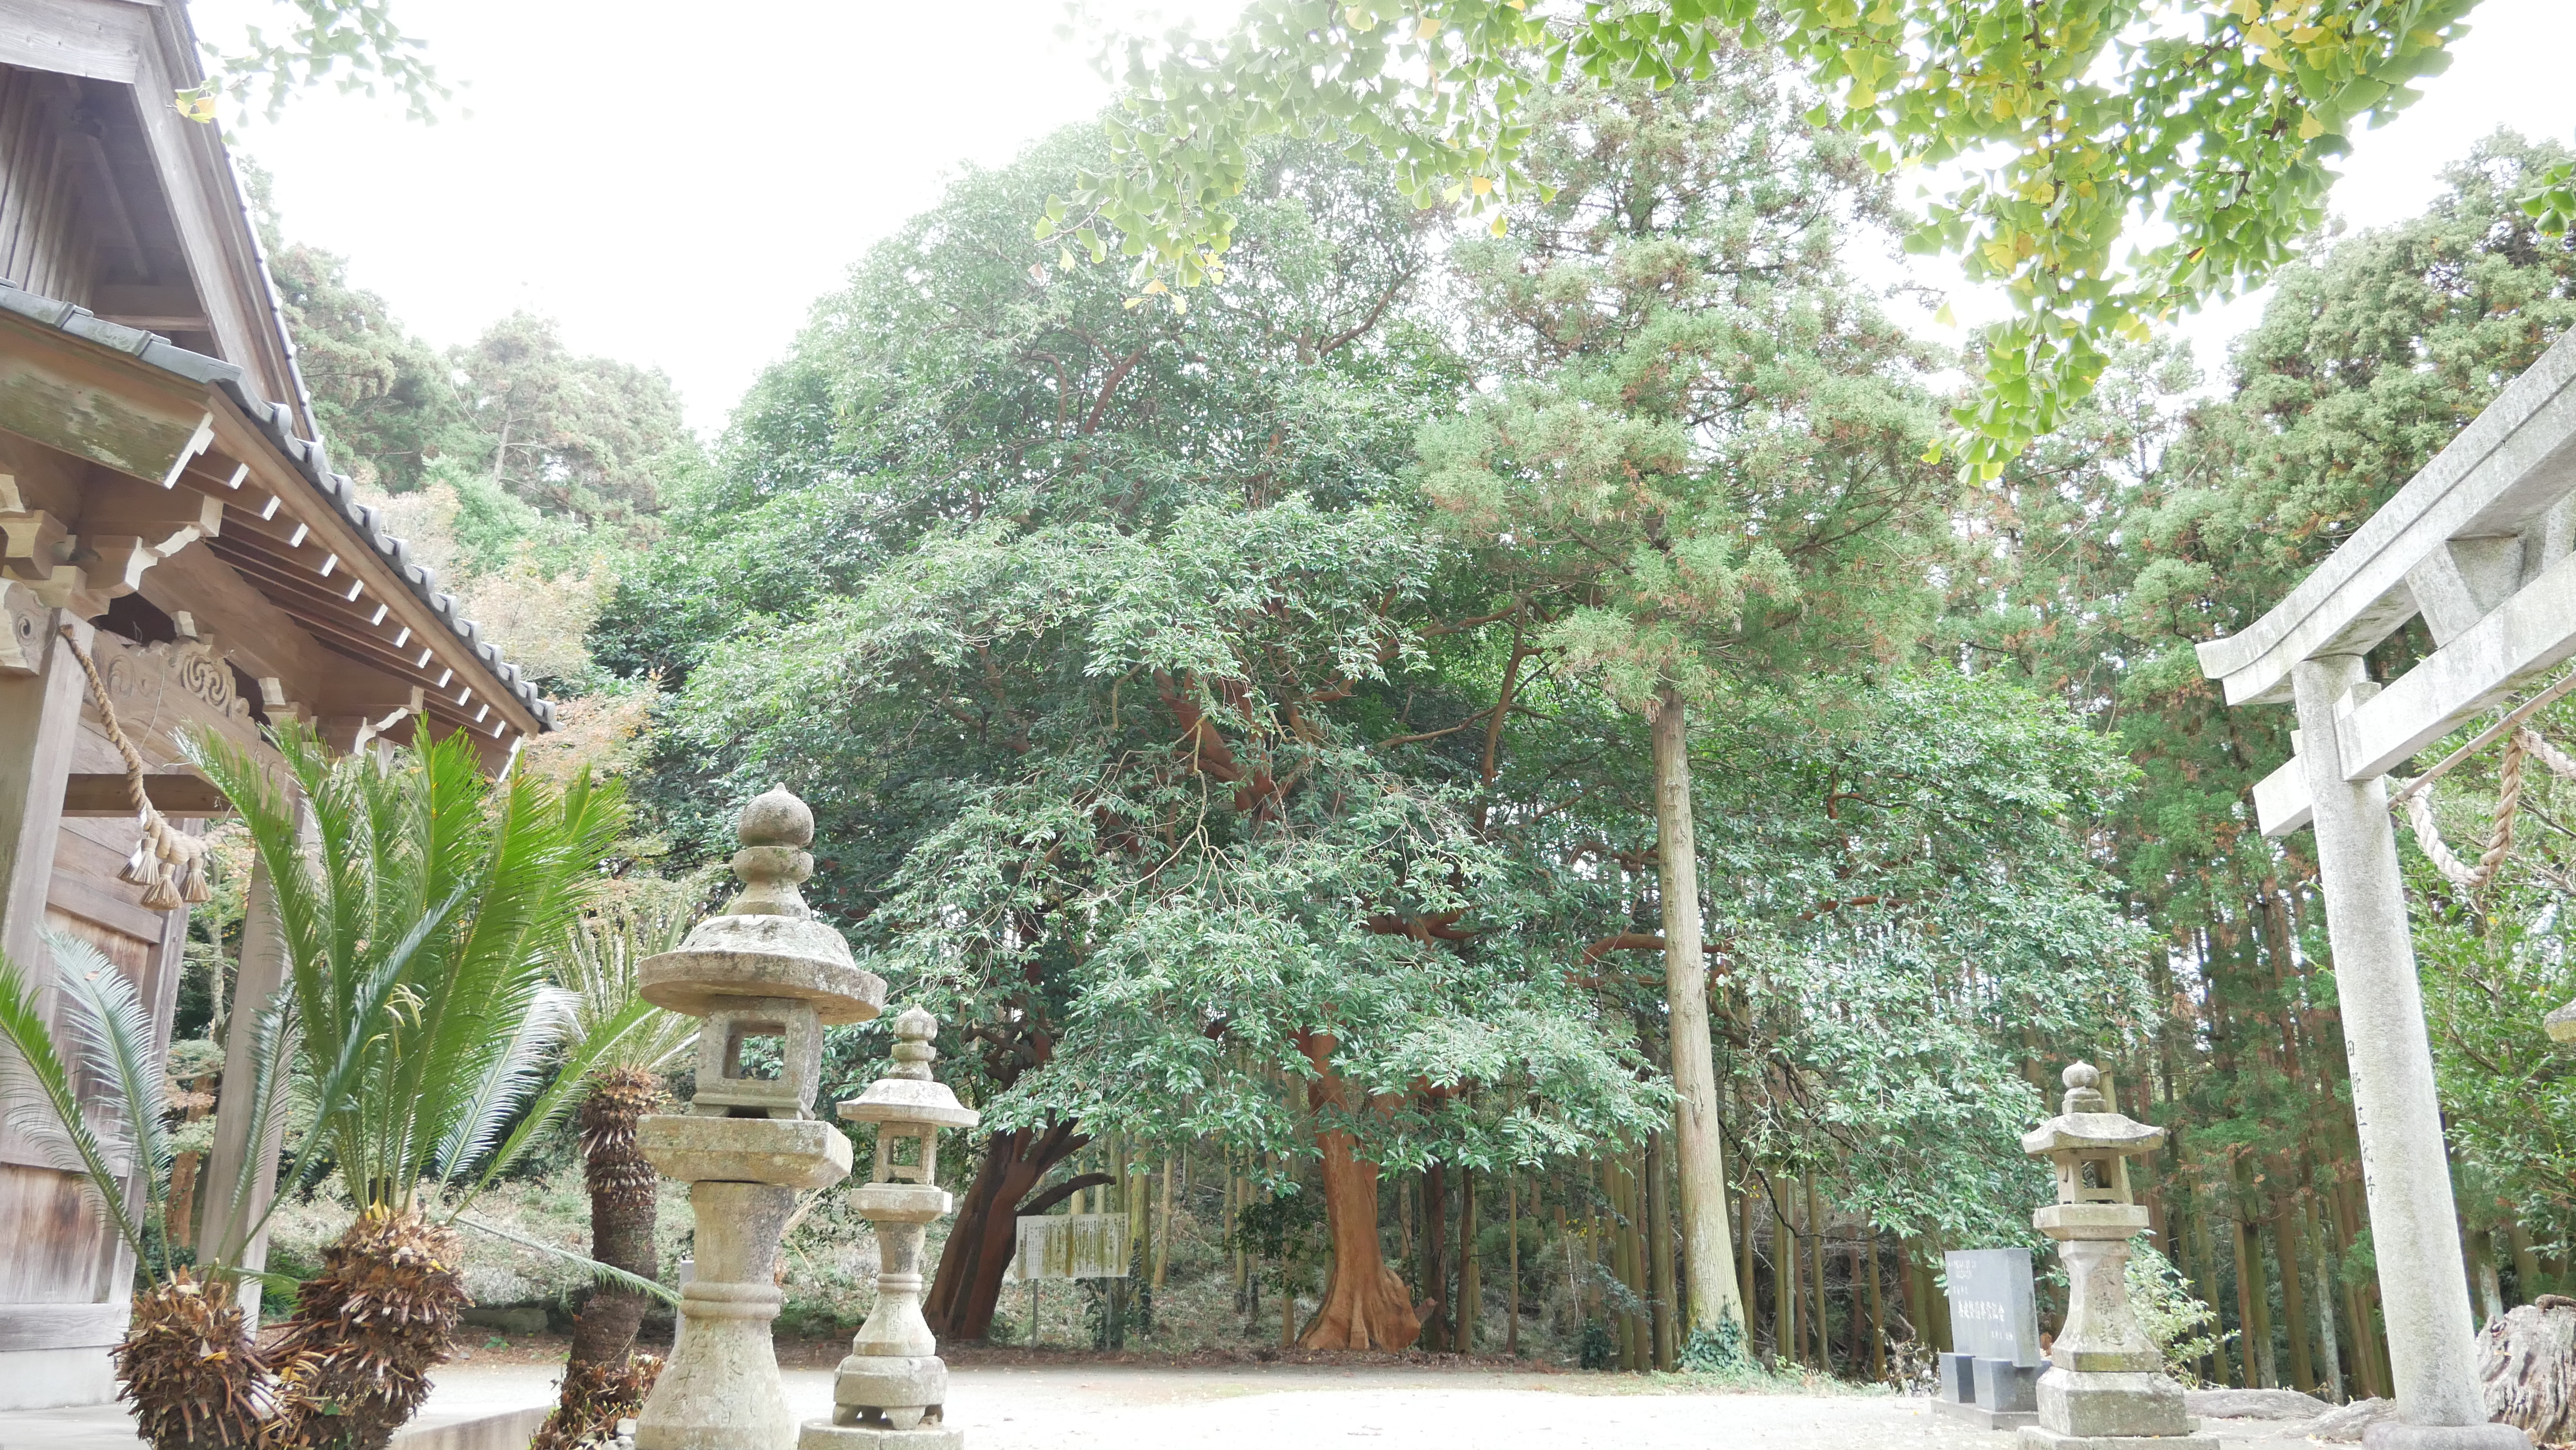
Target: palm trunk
{"points": [[622, 1211], [1707, 1256], [353, 1364]]}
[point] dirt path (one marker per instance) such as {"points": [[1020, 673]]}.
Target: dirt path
{"points": [[1287, 1407]]}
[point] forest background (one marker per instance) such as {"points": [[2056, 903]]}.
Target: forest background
{"points": [[1239, 724]]}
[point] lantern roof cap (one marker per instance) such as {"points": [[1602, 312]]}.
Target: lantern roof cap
{"points": [[2085, 1123], [908, 1095], [2092, 1133]]}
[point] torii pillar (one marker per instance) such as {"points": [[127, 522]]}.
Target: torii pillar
{"points": [[2481, 546]]}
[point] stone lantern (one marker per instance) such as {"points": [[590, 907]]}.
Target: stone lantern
{"points": [[762, 969], [892, 1390], [2105, 1388]]}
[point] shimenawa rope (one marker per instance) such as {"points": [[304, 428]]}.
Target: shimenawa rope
{"points": [[167, 863]]}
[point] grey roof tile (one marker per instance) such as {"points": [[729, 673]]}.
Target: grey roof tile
{"points": [[276, 422]]}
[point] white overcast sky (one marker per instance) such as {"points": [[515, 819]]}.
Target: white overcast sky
{"points": [[675, 183]]}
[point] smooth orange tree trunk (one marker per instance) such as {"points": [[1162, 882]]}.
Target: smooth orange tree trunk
{"points": [[1363, 1305]]}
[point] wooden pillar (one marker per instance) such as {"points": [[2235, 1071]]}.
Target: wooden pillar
{"points": [[231, 1205], [39, 725]]}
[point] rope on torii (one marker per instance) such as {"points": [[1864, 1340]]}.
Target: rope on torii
{"points": [[2523, 744]]}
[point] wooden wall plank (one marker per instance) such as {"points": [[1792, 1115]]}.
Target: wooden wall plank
{"points": [[99, 39]]}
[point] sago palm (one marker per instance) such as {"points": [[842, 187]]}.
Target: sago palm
{"points": [[420, 904], [189, 1341], [604, 1381]]}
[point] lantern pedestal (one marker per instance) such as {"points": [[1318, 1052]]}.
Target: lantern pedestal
{"points": [[892, 1390], [765, 969], [2105, 1388]]}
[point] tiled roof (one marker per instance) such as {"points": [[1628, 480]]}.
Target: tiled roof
{"points": [[275, 421]]}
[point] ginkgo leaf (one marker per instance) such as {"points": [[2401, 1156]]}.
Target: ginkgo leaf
{"points": [[1480, 184], [1945, 316], [197, 105], [2310, 128]]}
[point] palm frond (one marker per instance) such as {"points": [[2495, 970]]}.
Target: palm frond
{"points": [[420, 908], [115, 1034], [599, 961], [272, 1087], [590, 1052], [509, 1077], [608, 1274], [37, 1086]]}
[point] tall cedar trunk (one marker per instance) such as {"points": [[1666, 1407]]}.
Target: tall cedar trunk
{"points": [[1856, 1318], [2328, 1331], [1434, 1320], [1626, 1242], [2526, 1263], [1707, 1256], [1659, 1256], [1163, 1229], [1471, 1287], [622, 1187], [1877, 1316], [2294, 1306], [2205, 1272], [1816, 1233], [1784, 1282], [986, 1234], [1512, 1238], [1363, 1304]]}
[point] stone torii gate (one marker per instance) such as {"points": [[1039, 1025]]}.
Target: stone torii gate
{"points": [[2482, 546]]}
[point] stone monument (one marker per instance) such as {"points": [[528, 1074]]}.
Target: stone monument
{"points": [[763, 969], [892, 1390], [1992, 1378], [2105, 1388]]}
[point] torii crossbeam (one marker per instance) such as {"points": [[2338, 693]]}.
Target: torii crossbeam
{"points": [[2482, 546]]}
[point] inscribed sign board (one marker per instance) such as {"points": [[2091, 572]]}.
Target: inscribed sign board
{"points": [[1992, 1315], [1072, 1246]]}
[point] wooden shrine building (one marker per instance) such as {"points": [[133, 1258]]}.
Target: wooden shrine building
{"points": [[165, 511]]}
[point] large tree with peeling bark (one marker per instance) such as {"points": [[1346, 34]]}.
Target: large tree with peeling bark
{"points": [[901, 591]]}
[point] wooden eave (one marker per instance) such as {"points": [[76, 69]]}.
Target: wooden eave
{"points": [[152, 48], [291, 530]]}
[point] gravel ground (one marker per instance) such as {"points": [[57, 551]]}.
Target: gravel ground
{"points": [[1059, 1406]]}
